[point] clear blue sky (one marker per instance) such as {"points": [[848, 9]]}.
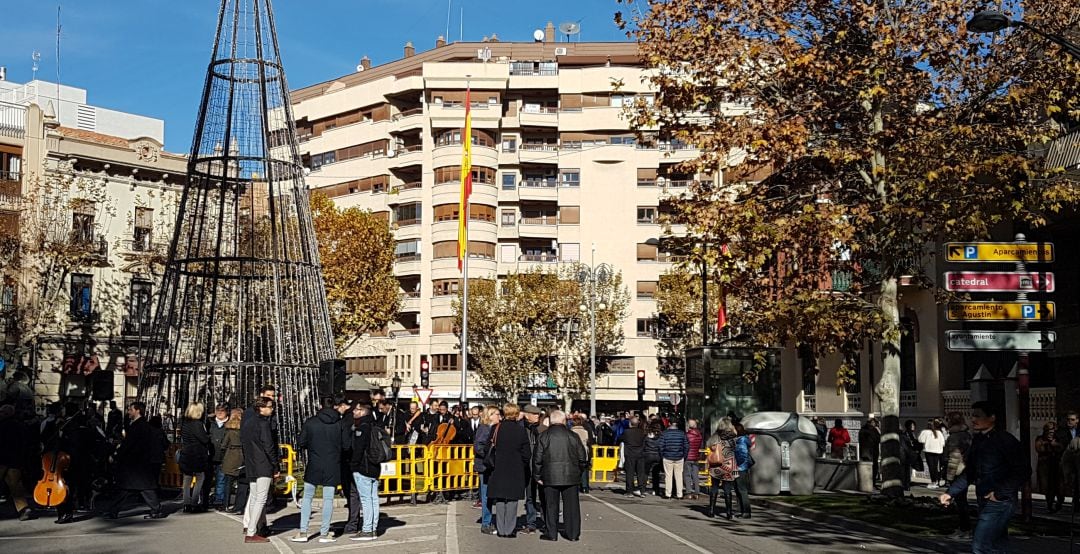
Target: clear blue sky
{"points": [[149, 56]]}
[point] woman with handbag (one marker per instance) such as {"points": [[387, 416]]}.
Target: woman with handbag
{"points": [[509, 458], [723, 468], [910, 453], [482, 448]]}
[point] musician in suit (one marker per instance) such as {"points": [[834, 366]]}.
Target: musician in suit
{"points": [[467, 426], [136, 461]]}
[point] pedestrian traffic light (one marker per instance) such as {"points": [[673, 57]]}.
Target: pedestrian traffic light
{"points": [[425, 371], [641, 385]]}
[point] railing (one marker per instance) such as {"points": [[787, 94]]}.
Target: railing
{"points": [[412, 294], [539, 110], [405, 332], [407, 113], [1043, 404], [543, 220], [646, 182], [539, 183], [10, 186], [413, 257], [1065, 151], [95, 244], [143, 244], [841, 281], [407, 149], [543, 258], [909, 399], [407, 222], [809, 403], [677, 183], [408, 186], [460, 104], [957, 401], [854, 402], [12, 120], [138, 327], [533, 72], [671, 258], [647, 220], [537, 147]]}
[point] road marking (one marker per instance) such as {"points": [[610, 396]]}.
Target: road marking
{"points": [[651, 524], [51, 537], [279, 544], [373, 544], [411, 526], [451, 529]]}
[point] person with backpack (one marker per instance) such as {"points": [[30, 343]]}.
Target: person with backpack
{"points": [[323, 438], [744, 461], [723, 467], [370, 448]]}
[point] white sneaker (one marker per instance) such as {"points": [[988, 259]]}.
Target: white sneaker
{"points": [[327, 538], [299, 537], [933, 486], [637, 494]]}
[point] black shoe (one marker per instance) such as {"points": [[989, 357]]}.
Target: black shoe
{"points": [[729, 517], [547, 538], [743, 516], [25, 514], [66, 518], [156, 515], [574, 540]]}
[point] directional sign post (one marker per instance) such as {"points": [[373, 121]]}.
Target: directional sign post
{"points": [[1000, 311], [1016, 341], [999, 281], [974, 252]]}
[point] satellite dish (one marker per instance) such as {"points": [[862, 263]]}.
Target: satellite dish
{"points": [[569, 28], [359, 68], [538, 35]]}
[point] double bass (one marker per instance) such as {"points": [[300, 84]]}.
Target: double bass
{"points": [[52, 490]]}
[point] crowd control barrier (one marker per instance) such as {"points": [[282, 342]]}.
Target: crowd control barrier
{"points": [[605, 460], [285, 485], [452, 468], [407, 472]]}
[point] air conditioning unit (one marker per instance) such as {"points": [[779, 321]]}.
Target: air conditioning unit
{"points": [[560, 51]]}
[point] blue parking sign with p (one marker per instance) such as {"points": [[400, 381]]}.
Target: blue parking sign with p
{"points": [[971, 252], [1027, 311]]}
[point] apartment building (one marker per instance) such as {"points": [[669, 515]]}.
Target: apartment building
{"points": [[558, 178], [85, 220]]}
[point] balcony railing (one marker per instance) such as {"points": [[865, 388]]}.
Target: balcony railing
{"points": [[841, 281], [407, 222], [95, 244], [539, 183], [854, 402], [413, 257], [1065, 152], [542, 220], [405, 332], [407, 113], [10, 186], [538, 147], [909, 399], [543, 258], [809, 403], [540, 109], [408, 186], [136, 327], [12, 120]]}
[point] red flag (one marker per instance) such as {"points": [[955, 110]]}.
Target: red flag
{"points": [[721, 311]]}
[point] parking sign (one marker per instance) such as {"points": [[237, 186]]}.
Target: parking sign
{"points": [[1028, 311]]}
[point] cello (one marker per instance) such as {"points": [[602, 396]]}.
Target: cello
{"points": [[52, 490]]}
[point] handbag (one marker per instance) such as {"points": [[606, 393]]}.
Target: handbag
{"points": [[489, 456], [716, 455]]}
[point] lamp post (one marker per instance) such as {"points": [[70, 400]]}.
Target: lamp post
{"points": [[593, 275], [989, 21], [395, 387]]}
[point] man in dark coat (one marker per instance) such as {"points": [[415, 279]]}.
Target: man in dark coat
{"points": [[323, 438], [557, 463], [217, 438], [260, 466], [366, 475], [531, 423], [15, 439], [870, 444], [466, 432], [134, 459]]}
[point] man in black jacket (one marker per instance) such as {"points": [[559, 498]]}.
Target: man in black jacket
{"points": [[260, 466], [217, 438], [998, 467], [323, 438], [136, 463], [531, 421], [557, 463], [366, 475]]}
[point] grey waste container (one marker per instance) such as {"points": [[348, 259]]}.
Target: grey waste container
{"points": [[784, 450]]}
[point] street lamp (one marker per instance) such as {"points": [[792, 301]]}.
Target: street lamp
{"points": [[395, 387], [990, 21], [593, 275]]}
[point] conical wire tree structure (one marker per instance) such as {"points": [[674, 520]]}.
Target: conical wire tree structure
{"points": [[242, 302]]}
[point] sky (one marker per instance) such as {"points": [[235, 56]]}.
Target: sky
{"points": [[149, 57]]}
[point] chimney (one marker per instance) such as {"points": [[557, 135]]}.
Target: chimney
{"points": [[494, 38], [440, 42], [549, 32], [409, 50], [485, 39], [365, 62]]}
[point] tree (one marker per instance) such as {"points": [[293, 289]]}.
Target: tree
{"points": [[678, 307], [883, 128], [529, 327], [357, 254]]}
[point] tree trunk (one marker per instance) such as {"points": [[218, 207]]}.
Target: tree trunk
{"points": [[887, 391]]}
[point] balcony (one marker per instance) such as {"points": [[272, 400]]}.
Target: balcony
{"points": [[407, 155], [404, 332], [841, 281], [12, 120], [407, 120], [538, 189], [138, 326], [544, 258], [539, 116], [93, 246], [538, 153], [10, 188]]}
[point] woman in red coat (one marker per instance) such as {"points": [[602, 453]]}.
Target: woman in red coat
{"points": [[838, 439]]}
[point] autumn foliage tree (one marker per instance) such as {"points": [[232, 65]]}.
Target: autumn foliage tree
{"points": [[884, 127], [357, 253]]}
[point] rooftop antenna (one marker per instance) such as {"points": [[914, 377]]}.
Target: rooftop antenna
{"points": [[58, 104], [36, 57], [570, 28], [449, 6]]}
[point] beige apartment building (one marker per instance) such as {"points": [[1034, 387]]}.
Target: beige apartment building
{"points": [[85, 220], [557, 178]]}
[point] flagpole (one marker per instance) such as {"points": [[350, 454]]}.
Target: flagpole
{"points": [[466, 141]]}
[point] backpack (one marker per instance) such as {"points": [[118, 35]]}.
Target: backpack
{"points": [[378, 448]]}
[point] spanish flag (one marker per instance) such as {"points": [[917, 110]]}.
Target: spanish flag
{"points": [[721, 311], [466, 184]]}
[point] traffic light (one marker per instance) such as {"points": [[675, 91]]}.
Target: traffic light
{"points": [[425, 371], [641, 385]]}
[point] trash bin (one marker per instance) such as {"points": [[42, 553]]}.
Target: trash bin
{"points": [[784, 446], [866, 476]]}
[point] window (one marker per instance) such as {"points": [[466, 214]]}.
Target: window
{"points": [[809, 370], [646, 177], [442, 325], [144, 224], [508, 218], [570, 251], [445, 138], [646, 214], [452, 174], [319, 160], [444, 249], [82, 221], [407, 250], [444, 362], [139, 307], [508, 252], [407, 214], [509, 144], [646, 289], [7, 295], [366, 365], [446, 212], [570, 178], [509, 181], [628, 140], [82, 286], [446, 287], [646, 327], [620, 100], [646, 252], [569, 215]]}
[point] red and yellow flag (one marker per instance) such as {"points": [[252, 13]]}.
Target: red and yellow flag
{"points": [[721, 311], [466, 184]]}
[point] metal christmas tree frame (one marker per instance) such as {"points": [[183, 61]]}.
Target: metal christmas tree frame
{"points": [[242, 302]]}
